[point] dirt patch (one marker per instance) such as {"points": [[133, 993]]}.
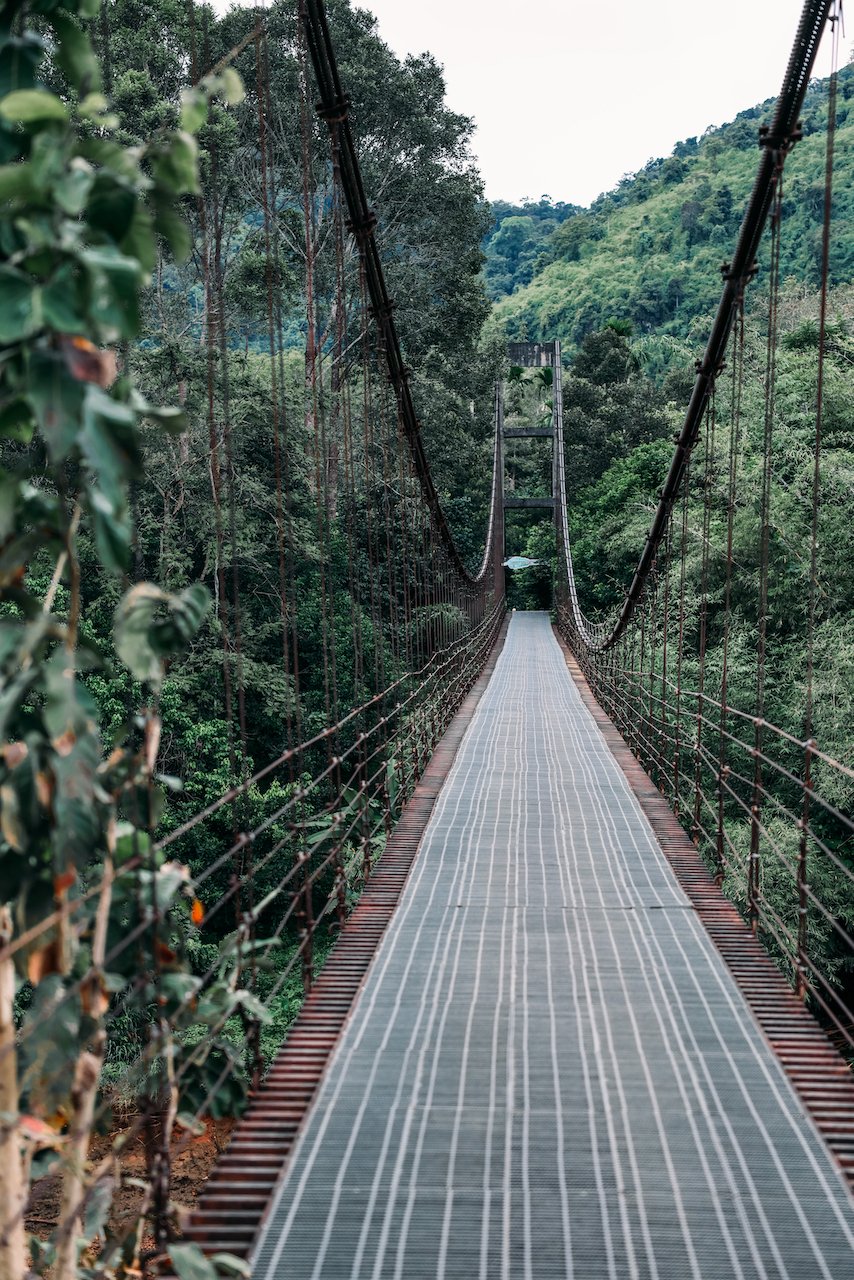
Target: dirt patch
{"points": [[192, 1160]]}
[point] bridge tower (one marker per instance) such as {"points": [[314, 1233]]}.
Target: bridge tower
{"points": [[535, 355]]}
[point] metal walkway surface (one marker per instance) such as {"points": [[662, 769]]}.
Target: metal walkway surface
{"points": [[549, 1071]]}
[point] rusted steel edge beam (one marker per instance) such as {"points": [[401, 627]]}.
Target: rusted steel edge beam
{"points": [[238, 1193], [528, 433], [522, 504], [821, 1076], [775, 142]]}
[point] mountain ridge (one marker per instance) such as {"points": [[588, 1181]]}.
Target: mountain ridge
{"points": [[647, 253]]}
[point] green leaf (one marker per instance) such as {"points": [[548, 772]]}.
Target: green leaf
{"points": [[107, 154], [194, 110], [392, 783], [232, 87], [68, 703], [58, 402], [111, 205], [42, 508], [108, 441], [109, 447], [16, 183], [19, 59], [12, 700], [98, 1201], [27, 106], [62, 305], [115, 283], [188, 1121], [13, 143], [175, 163], [228, 1265], [169, 224], [17, 421], [20, 305], [9, 490], [139, 241], [253, 1006], [17, 553], [171, 418], [190, 1263], [71, 719], [72, 190], [151, 625], [106, 258], [74, 53], [47, 162], [169, 881], [93, 106], [130, 842], [112, 527]]}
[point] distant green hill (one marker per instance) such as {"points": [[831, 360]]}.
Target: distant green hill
{"points": [[648, 253]]}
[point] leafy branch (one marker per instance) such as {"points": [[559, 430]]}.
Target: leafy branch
{"points": [[82, 216]]}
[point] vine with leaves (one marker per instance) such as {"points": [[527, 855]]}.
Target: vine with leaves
{"points": [[82, 220]]}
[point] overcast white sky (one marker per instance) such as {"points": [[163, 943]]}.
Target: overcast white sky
{"points": [[568, 95]]}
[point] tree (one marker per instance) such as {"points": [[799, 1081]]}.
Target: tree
{"points": [[79, 228]]}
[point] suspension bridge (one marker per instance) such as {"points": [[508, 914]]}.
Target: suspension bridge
{"points": [[549, 1069], [545, 1043], [573, 1022]]}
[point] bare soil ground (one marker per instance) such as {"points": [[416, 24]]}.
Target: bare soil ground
{"points": [[192, 1160]]}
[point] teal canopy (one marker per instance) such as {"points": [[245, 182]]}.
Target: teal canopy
{"points": [[520, 562]]}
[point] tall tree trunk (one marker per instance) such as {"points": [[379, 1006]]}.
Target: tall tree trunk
{"points": [[13, 1192], [84, 1092]]}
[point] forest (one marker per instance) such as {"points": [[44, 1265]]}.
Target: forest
{"points": [[647, 253], [205, 493]]}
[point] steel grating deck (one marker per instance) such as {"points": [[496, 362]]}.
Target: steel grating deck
{"points": [[549, 1071]]}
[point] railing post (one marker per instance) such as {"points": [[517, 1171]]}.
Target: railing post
{"points": [[755, 810], [695, 823], [803, 881], [338, 853], [498, 549], [723, 773], [367, 866], [306, 916]]}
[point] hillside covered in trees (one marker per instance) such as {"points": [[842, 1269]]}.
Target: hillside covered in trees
{"points": [[647, 254]]}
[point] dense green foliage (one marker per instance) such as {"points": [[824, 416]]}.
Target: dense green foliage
{"points": [[431, 221], [515, 244], [84, 218]]}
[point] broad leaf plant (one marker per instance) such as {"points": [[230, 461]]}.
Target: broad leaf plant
{"points": [[82, 220]]}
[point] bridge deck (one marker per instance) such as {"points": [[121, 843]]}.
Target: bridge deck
{"points": [[550, 1072]]}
